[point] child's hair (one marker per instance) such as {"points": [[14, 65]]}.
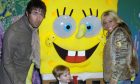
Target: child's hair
{"points": [[59, 70]]}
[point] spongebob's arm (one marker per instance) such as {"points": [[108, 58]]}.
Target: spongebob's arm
{"points": [[29, 76]]}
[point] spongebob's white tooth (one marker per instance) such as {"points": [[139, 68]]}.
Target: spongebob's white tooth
{"points": [[71, 53], [81, 53]]}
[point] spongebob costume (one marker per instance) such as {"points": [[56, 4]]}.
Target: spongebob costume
{"points": [[71, 34]]}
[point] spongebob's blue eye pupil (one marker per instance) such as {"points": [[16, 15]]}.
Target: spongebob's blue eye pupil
{"points": [[68, 27], [88, 27]]}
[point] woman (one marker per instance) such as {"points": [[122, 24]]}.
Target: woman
{"points": [[118, 51]]}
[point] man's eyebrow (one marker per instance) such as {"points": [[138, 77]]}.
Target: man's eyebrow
{"points": [[90, 12], [64, 12]]}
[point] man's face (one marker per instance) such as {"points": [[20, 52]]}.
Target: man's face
{"points": [[35, 17]]}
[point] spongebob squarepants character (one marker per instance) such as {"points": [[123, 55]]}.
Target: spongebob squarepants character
{"points": [[71, 34]]}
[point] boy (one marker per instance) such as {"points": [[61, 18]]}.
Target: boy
{"points": [[62, 74]]}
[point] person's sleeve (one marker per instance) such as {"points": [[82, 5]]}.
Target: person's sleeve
{"points": [[120, 54], [8, 52]]}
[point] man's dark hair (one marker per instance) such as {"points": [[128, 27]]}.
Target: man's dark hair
{"points": [[33, 4]]}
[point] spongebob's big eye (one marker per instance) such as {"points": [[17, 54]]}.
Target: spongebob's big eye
{"points": [[64, 26], [93, 25]]}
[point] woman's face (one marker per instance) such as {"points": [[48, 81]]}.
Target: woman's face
{"points": [[109, 23]]}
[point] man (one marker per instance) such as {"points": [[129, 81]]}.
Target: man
{"points": [[19, 41]]}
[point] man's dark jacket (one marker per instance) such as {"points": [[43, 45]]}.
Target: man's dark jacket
{"points": [[16, 52]]}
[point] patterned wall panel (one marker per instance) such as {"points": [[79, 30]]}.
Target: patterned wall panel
{"points": [[130, 12], [11, 10]]}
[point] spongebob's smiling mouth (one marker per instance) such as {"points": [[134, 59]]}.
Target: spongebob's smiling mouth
{"points": [[74, 56]]}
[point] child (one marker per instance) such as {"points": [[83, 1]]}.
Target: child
{"points": [[62, 74]]}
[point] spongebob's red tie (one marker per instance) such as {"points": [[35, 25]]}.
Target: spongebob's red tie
{"points": [[75, 79]]}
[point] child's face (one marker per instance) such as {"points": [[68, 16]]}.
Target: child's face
{"points": [[65, 77]]}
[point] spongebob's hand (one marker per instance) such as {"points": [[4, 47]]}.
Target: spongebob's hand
{"points": [[29, 76]]}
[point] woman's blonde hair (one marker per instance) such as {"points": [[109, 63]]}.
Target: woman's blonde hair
{"points": [[112, 14]]}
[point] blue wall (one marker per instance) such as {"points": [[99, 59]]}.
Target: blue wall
{"points": [[129, 11]]}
